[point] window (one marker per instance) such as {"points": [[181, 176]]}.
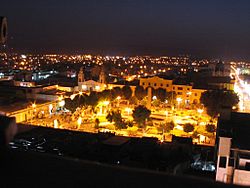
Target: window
{"points": [[167, 85], [180, 88], [222, 161], [155, 84], [231, 162], [143, 83], [161, 85], [173, 87], [179, 93], [188, 89], [149, 84], [195, 94]]}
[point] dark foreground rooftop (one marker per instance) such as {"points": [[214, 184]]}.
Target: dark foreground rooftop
{"points": [[23, 169]]}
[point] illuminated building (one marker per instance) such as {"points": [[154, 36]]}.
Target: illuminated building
{"points": [[187, 93]]}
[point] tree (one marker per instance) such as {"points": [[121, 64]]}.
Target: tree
{"points": [[129, 123], [171, 97], [210, 128], [116, 117], [195, 135], [214, 100], [105, 95], [116, 91], [160, 93], [109, 117], [97, 122], [169, 126], [127, 92], [71, 105], [188, 127], [133, 100], [140, 115], [92, 99], [140, 92]]}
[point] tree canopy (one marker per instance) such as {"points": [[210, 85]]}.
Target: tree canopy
{"points": [[210, 128], [127, 92], [140, 115], [116, 117], [140, 92], [214, 100], [160, 93], [188, 127]]}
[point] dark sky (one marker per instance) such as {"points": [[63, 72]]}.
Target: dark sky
{"points": [[211, 28]]}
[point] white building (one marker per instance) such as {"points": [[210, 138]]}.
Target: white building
{"points": [[233, 156], [233, 164]]}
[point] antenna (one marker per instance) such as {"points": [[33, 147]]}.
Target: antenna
{"points": [[3, 30]]}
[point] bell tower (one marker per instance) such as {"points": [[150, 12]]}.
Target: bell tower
{"points": [[102, 77], [81, 76]]}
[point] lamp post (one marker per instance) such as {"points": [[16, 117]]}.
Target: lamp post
{"points": [[33, 111], [199, 110], [118, 99], [179, 99]]}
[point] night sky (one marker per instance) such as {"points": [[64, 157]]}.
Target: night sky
{"points": [[212, 28]]}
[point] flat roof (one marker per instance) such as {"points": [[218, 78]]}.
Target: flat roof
{"points": [[19, 105], [116, 140]]}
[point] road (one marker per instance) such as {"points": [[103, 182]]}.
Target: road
{"points": [[242, 88]]}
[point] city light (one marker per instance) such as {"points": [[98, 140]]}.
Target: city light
{"points": [[56, 124], [106, 103], [33, 105], [178, 99], [128, 110], [200, 110], [61, 103], [79, 122]]}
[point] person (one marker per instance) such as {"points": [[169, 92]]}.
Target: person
{"points": [[8, 129]]}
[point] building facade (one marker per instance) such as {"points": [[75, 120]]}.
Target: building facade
{"points": [[186, 93]]}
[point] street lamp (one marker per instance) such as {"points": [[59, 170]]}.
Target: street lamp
{"points": [[154, 97], [179, 101], [33, 105], [79, 122], [55, 123], [199, 110], [118, 99], [128, 110]]}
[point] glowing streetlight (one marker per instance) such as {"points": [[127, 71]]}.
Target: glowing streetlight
{"points": [[200, 111], [61, 103], [80, 93], [50, 108], [79, 122], [179, 99], [128, 110], [55, 123], [106, 103], [189, 93], [118, 98], [33, 105], [97, 88], [154, 97], [72, 96]]}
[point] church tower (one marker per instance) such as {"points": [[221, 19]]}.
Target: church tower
{"points": [[81, 76], [102, 77]]}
